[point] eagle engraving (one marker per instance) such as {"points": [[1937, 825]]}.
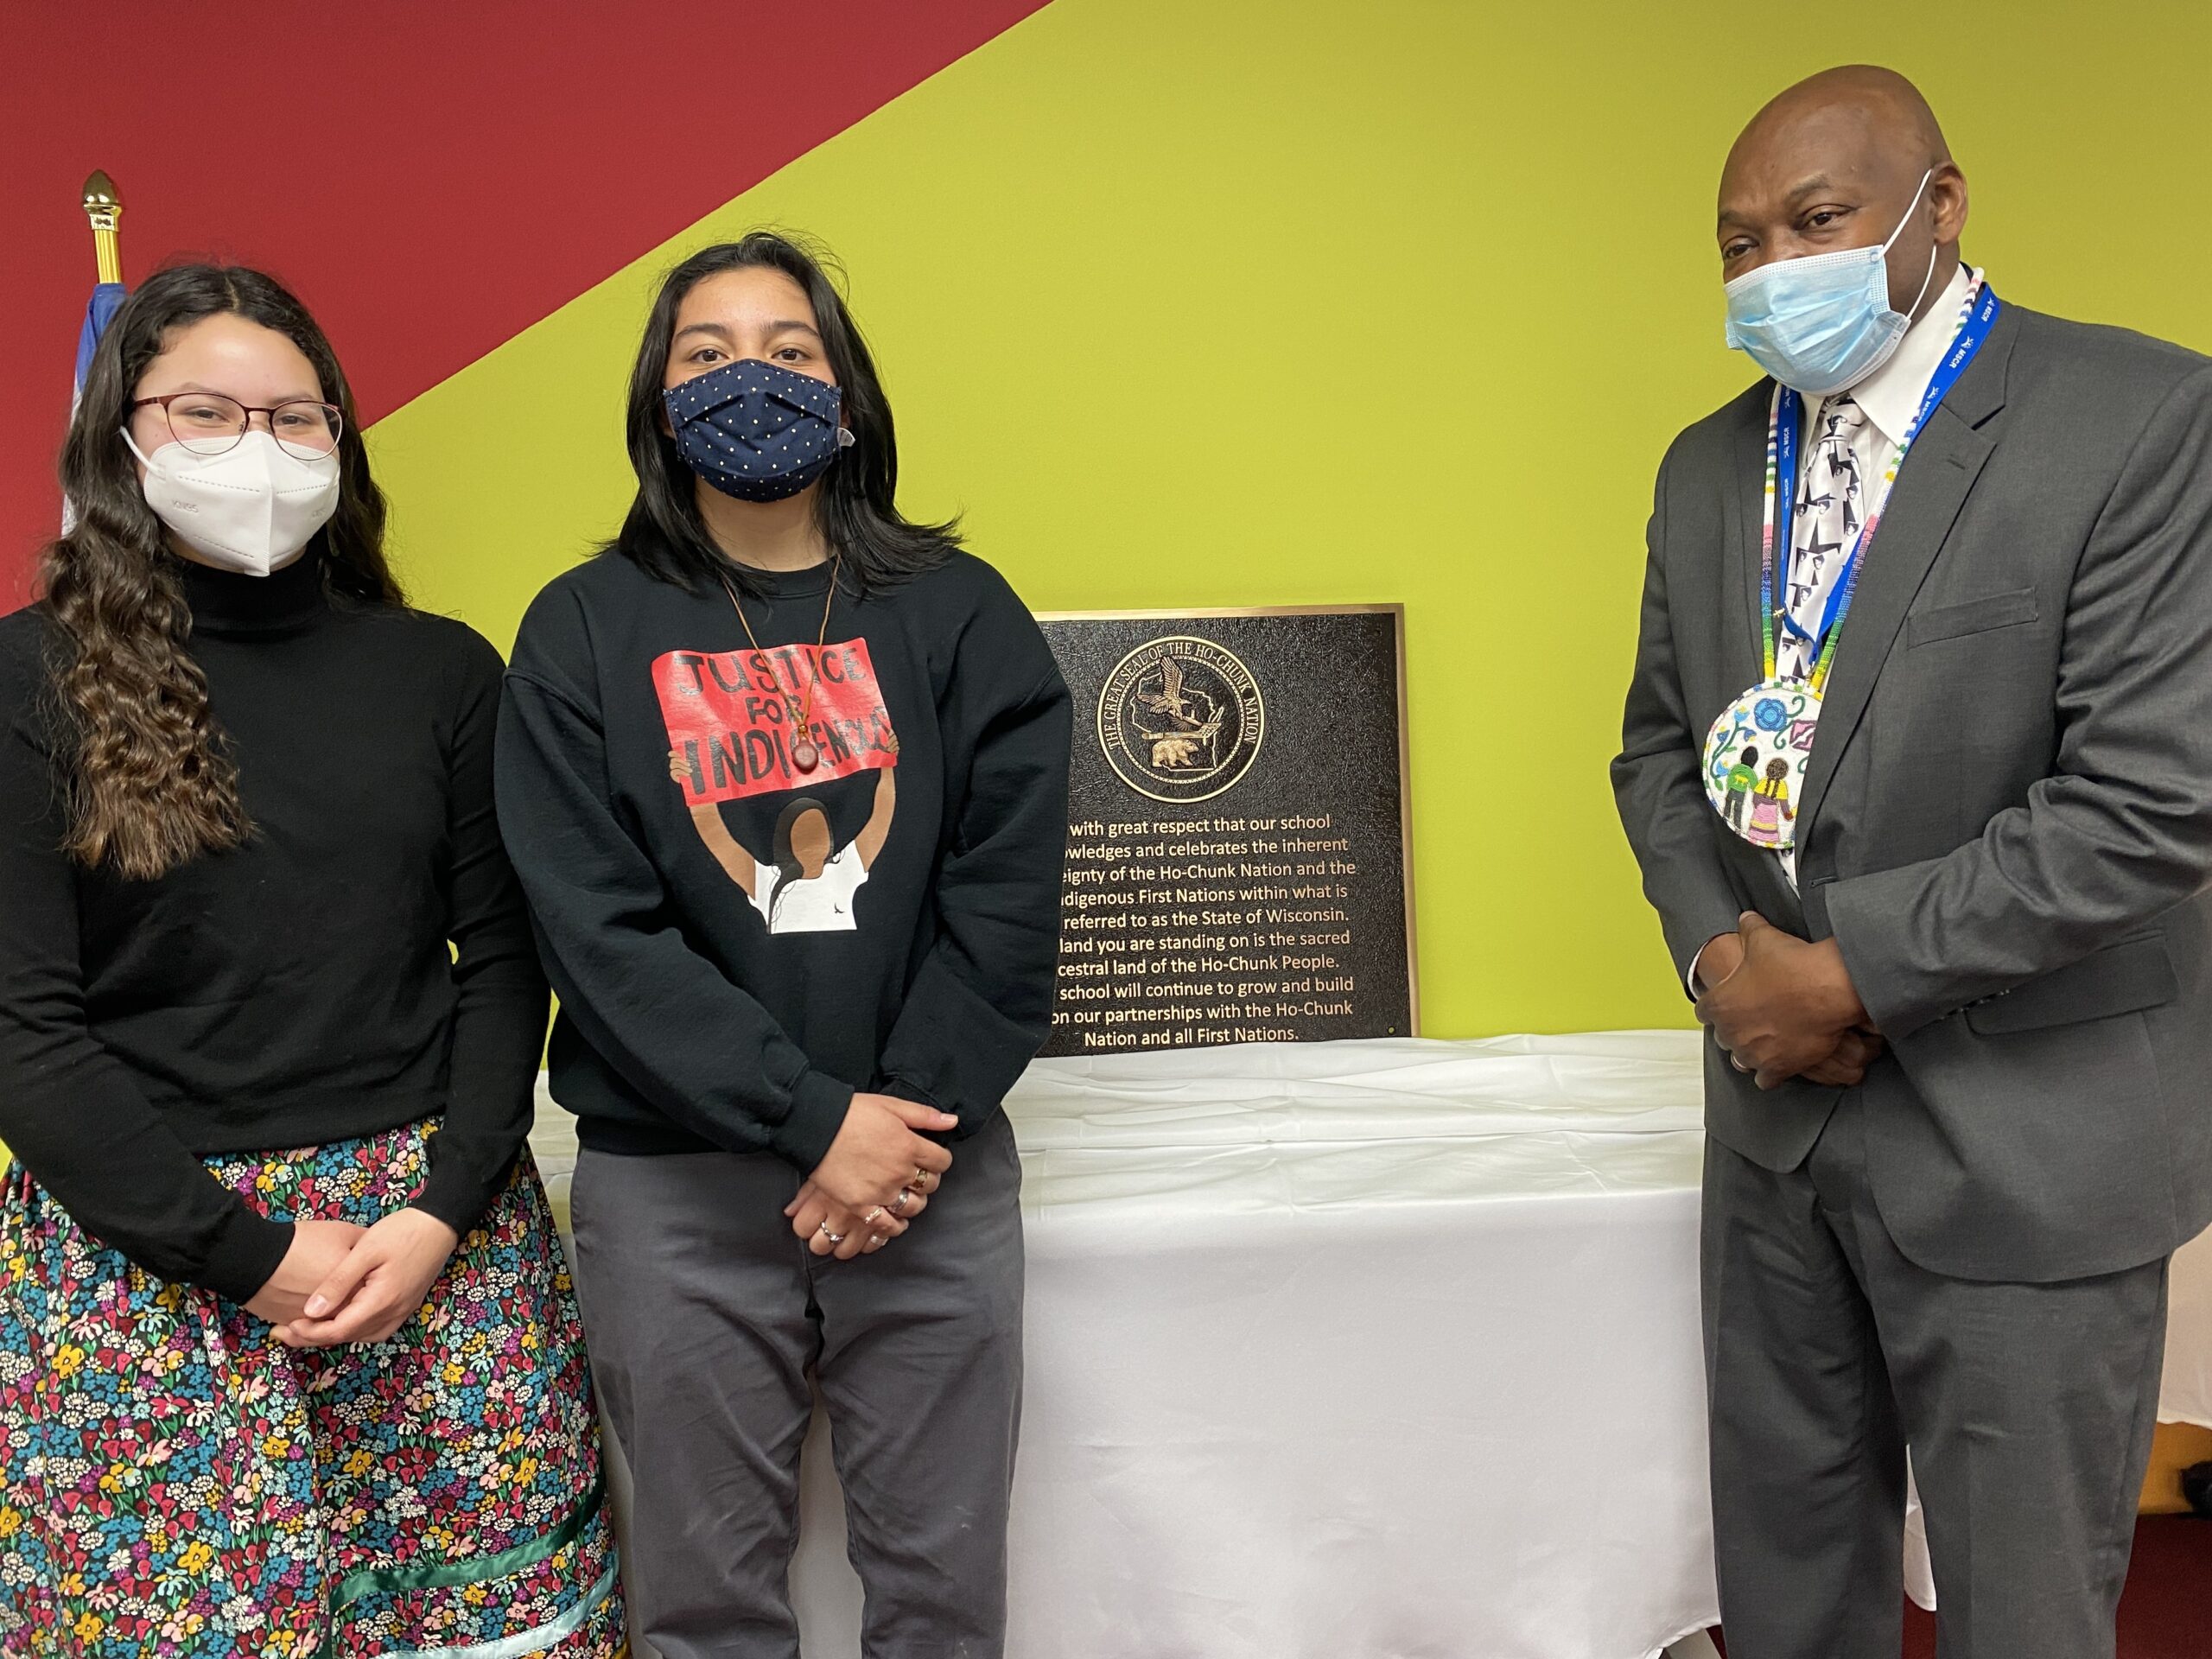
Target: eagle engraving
{"points": [[1194, 720]]}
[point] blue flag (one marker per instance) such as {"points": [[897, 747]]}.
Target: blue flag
{"points": [[107, 299]]}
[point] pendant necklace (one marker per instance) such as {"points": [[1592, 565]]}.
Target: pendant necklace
{"points": [[806, 754]]}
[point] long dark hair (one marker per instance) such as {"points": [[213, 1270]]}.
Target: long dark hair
{"points": [[151, 785], [856, 506]]}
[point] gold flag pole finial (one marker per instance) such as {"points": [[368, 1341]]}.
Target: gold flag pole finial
{"points": [[105, 208]]}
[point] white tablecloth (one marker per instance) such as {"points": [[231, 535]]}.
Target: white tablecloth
{"points": [[1387, 1348], [2187, 1396], [1371, 1349]]}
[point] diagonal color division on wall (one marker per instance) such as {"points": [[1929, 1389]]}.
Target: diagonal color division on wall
{"points": [[431, 178], [1266, 303]]}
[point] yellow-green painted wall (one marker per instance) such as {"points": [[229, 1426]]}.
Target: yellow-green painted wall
{"points": [[1267, 302]]}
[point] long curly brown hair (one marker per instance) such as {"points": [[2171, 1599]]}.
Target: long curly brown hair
{"points": [[150, 784]]}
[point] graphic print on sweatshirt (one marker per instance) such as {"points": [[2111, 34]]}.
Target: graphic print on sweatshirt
{"points": [[730, 716]]}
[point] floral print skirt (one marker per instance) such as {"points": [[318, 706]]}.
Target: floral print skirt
{"points": [[175, 1481]]}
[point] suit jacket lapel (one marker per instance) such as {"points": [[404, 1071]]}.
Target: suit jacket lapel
{"points": [[1746, 507], [1931, 487]]}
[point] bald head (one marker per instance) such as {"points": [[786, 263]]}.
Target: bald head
{"points": [[1879, 107], [1835, 163]]}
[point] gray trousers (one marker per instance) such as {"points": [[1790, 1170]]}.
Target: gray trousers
{"points": [[2028, 1408], [705, 1317]]}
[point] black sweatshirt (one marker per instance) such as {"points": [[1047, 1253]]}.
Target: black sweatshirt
{"points": [[294, 991], [739, 945]]}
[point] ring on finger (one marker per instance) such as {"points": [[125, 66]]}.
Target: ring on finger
{"points": [[874, 1215], [875, 1242], [906, 1196], [834, 1238]]}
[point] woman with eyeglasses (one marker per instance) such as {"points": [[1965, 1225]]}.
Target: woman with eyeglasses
{"points": [[785, 775], [289, 1363]]}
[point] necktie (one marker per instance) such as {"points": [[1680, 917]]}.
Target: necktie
{"points": [[1830, 507]]}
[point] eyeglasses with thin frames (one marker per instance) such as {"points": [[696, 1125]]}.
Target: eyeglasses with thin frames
{"points": [[208, 423]]}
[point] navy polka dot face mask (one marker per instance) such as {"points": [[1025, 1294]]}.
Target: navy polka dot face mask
{"points": [[757, 431]]}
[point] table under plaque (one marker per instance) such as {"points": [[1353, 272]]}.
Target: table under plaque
{"points": [[1381, 1348]]}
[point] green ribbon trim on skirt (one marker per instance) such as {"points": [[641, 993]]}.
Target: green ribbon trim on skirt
{"points": [[522, 1642], [439, 1575]]}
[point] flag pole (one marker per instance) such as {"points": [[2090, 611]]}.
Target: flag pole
{"points": [[104, 209]]}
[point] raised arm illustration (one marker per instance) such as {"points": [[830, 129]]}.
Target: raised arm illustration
{"points": [[734, 859]]}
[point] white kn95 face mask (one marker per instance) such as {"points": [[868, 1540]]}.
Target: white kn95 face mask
{"points": [[251, 509]]}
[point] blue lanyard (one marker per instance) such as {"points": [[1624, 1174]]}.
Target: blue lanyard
{"points": [[1981, 311]]}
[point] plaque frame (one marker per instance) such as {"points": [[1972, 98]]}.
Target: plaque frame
{"points": [[1396, 611]]}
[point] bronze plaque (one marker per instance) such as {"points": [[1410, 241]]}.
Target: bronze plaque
{"points": [[1238, 862]]}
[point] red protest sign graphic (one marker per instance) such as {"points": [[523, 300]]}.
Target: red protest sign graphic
{"points": [[732, 723]]}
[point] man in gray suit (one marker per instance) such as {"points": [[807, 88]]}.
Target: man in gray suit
{"points": [[1955, 961]]}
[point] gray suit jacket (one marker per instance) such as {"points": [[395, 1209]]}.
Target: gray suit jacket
{"points": [[2006, 824]]}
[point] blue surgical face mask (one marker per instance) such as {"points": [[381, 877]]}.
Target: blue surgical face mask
{"points": [[757, 431], [1823, 322]]}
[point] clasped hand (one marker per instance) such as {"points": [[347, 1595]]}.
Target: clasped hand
{"points": [[1783, 1007], [876, 1178], [339, 1283]]}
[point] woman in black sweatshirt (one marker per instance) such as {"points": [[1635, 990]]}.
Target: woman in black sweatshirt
{"points": [[786, 779], [288, 1362]]}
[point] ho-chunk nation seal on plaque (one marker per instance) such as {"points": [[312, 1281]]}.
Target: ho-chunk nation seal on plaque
{"points": [[1181, 718]]}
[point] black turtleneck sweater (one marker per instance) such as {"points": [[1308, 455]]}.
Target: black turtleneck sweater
{"points": [[297, 990]]}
